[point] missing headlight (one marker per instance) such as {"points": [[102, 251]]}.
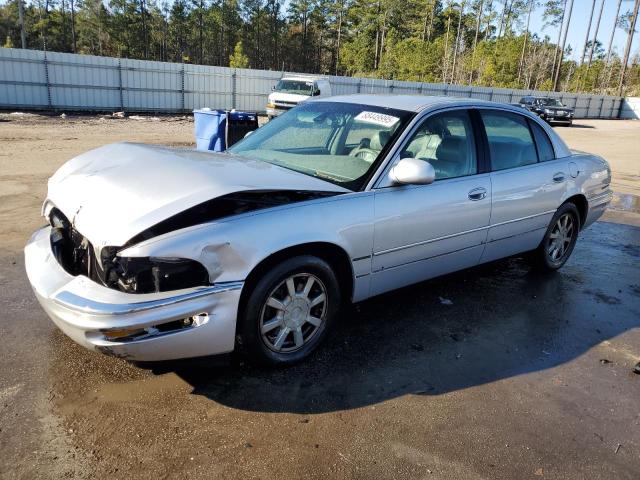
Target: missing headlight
{"points": [[150, 275]]}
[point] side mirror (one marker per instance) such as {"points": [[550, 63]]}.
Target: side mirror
{"points": [[273, 88], [316, 92], [411, 171]]}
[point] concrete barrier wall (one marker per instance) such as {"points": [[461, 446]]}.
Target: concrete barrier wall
{"points": [[630, 108], [37, 80]]}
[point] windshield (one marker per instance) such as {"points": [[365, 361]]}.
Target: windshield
{"points": [[338, 142], [299, 87], [551, 102]]}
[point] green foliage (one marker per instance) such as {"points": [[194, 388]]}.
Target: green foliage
{"points": [[239, 59], [478, 42]]}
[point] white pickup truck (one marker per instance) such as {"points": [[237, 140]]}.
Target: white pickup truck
{"points": [[292, 90]]}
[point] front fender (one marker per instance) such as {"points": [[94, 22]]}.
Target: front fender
{"points": [[230, 248]]}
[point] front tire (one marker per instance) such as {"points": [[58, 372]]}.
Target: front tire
{"points": [[559, 240], [288, 311]]}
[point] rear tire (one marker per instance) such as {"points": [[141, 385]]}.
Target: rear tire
{"points": [[288, 311], [559, 239]]}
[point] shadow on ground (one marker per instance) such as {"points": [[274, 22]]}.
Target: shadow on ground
{"points": [[504, 320]]}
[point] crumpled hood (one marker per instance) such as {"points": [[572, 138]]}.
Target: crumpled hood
{"points": [[114, 192]]}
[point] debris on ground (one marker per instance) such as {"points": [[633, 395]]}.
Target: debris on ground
{"points": [[63, 115], [604, 361], [636, 369], [618, 447], [118, 114], [445, 301]]}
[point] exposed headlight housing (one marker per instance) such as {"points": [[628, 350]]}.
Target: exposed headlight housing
{"points": [[78, 256], [151, 275]]}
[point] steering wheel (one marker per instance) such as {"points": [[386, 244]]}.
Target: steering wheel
{"points": [[367, 154]]}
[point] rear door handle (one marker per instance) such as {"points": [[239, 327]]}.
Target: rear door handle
{"points": [[558, 177], [477, 194]]}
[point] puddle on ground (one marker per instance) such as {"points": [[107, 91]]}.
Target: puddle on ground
{"points": [[625, 202]]}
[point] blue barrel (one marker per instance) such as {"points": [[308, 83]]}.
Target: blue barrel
{"points": [[209, 128], [218, 129]]}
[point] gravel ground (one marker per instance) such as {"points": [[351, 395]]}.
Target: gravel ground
{"points": [[522, 376]]}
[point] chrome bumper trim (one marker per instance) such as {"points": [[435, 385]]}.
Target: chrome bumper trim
{"points": [[84, 305]]}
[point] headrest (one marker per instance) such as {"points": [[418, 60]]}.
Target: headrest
{"points": [[450, 149], [379, 140]]}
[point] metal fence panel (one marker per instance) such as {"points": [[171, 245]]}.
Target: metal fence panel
{"points": [[31, 79]]}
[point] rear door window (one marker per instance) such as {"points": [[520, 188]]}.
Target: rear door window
{"points": [[510, 142]]}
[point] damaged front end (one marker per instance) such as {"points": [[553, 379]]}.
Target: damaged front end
{"points": [[105, 266], [77, 256]]}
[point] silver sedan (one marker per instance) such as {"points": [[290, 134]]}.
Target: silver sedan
{"points": [[154, 253]]}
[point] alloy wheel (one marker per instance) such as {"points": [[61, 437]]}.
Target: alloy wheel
{"points": [[293, 313], [561, 237]]}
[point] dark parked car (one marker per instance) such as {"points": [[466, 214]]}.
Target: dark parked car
{"points": [[550, 109]]}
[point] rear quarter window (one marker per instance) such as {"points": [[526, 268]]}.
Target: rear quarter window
{"points": [[545, 148]]}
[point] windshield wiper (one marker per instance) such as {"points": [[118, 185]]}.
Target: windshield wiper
{"points": [[335, 178]]}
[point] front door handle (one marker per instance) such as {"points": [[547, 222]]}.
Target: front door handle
{"points": [[477, 194], [558, 177]]}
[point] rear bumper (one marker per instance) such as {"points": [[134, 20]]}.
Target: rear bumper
{"points": [[85, 310], [598, 204]]}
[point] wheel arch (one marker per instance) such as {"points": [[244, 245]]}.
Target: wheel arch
{"points": [[331, 253], [580, 201]]}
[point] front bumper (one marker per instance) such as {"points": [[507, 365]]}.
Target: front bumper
{"points": [[276, 110], [84, 310], [557, 118]]}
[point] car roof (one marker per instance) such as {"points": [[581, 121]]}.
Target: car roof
{"points": [[419, 103], [413, 103]]}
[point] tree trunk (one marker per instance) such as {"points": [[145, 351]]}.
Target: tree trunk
{"points": [[524, 45], [557, 49], [627, 49], [445, 54], [586, 37], [145, 47], [23, 33], [595, 39], [606, 79], [613, 32], [564, 41], [455, 49], [503, 17], [376, 59], [475, 41], [431, 16], [339, 35], [73, 26]]}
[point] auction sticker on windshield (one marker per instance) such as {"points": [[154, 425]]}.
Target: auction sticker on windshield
{"points": [[376, 118]]}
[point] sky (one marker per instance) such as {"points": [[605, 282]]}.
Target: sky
{"points": [[580, 22]]}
